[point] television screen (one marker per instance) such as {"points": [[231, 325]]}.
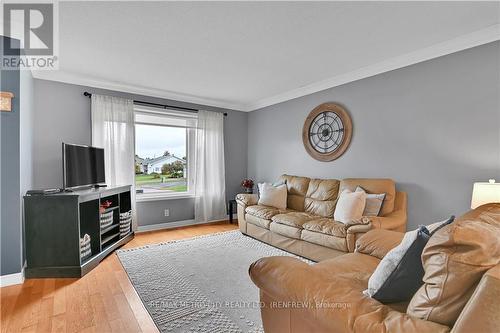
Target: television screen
{"points": [[82, 165]]}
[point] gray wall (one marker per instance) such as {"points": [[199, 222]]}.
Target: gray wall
{"points": [[433, 127], [16, 165], [10, 171], [63, 114]]}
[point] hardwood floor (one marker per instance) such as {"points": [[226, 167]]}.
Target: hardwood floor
{"points": [[104, 300]]}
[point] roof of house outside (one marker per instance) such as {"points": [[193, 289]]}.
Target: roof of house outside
{"points": [[163, 159]]}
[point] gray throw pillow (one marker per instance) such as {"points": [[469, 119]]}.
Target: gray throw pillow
{"points": [[374, 202]]}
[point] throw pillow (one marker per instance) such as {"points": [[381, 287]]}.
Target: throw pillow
{"points": [[433, 228], [274, 196], [373, 202], [350, 206], [399, 275]]}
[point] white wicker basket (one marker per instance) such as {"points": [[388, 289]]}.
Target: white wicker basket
{"points": [[106, 219], [85, 249], [125, 221]]}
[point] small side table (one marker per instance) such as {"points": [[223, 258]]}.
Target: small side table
{"points": [[231, 204]]}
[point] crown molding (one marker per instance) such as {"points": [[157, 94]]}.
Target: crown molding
{"points": [[463, 42], [83, 80], [460, 43]]}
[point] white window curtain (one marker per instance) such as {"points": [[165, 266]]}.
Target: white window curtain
{"points": [[210, 184], [113, 130]]}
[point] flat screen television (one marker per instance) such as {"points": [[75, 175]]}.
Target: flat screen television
{"points": [[82, 165]]}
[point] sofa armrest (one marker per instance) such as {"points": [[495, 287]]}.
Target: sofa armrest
{"points": [[396, 220], [378, 242], [318, 294], [355, 230], [246, 199]]}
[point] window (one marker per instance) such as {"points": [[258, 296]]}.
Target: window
{"points": [[164, 141]]}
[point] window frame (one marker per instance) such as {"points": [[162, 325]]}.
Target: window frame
{"points": [[190, 146]]}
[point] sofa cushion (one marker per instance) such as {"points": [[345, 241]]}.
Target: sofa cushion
{"points": [[260, 222], [333, 242], [297, 189], [327, 226], [264, 212], [374, 185], [378, 242], [454, 260], [285, 230], [294, 219], [321, 197]]}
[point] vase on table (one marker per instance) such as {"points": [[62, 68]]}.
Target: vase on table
{"points": [[247, 185]]}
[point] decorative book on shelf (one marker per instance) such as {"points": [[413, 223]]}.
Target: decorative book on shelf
{"points": [[69, 233]]}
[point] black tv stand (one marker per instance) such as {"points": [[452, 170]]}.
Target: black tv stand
{"points": [[55, 224]]}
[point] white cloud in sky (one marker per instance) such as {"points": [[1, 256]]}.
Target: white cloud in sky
{"points": [[152, 141]]}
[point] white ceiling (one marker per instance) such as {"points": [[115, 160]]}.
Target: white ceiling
{"points": [[244, 55]]}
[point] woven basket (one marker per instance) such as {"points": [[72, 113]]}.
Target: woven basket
{"points": [[85, 249], [106, 219], [125, 221]]}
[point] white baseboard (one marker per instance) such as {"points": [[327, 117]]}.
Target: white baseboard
{"points": [[169, 225], [12, 279]]}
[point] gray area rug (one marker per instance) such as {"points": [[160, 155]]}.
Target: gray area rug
{"points": [[199, 284]]}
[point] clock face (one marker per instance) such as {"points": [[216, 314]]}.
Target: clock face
{"points": [[327, 132]]}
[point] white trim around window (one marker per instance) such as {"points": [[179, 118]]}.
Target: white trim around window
{"points": [[175, 119], [162, 196]]}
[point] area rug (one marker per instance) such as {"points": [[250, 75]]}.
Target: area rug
{"points": [[199, 284]]}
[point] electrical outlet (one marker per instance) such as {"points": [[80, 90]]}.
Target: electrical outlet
{"points": [[166, 212]]}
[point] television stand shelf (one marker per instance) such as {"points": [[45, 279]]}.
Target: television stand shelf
{"points": [[55, 223]]}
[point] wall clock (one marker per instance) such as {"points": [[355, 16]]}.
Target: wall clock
{"points": [[327, 132]]}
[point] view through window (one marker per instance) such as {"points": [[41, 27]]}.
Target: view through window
{"points": [[161, 159]]}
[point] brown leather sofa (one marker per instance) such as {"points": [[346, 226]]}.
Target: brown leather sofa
{"points": [[460, 293], [307, 227]]}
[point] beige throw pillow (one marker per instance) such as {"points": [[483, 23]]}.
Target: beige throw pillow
{"points": [[374, 202], [274, 196], [350, 206]]}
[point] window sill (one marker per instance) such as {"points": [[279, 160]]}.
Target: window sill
{"points": [[162, 197]]}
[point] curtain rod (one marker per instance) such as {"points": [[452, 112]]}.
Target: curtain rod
{"points": [[165, 106]]}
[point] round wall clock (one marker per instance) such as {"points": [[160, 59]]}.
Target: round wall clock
{"points": [[327, 132]]}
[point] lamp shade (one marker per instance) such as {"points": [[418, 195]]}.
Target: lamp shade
{"points": [[484, 193]]}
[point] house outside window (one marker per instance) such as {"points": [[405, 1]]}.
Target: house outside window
{"points": [[164, 153]]}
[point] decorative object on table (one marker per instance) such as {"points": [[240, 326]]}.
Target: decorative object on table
{"points": [[210, 269], [327, 132], [85, 249], [103, 206], [6, 101], [125, 221], [247, 185], [483, 193]]}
